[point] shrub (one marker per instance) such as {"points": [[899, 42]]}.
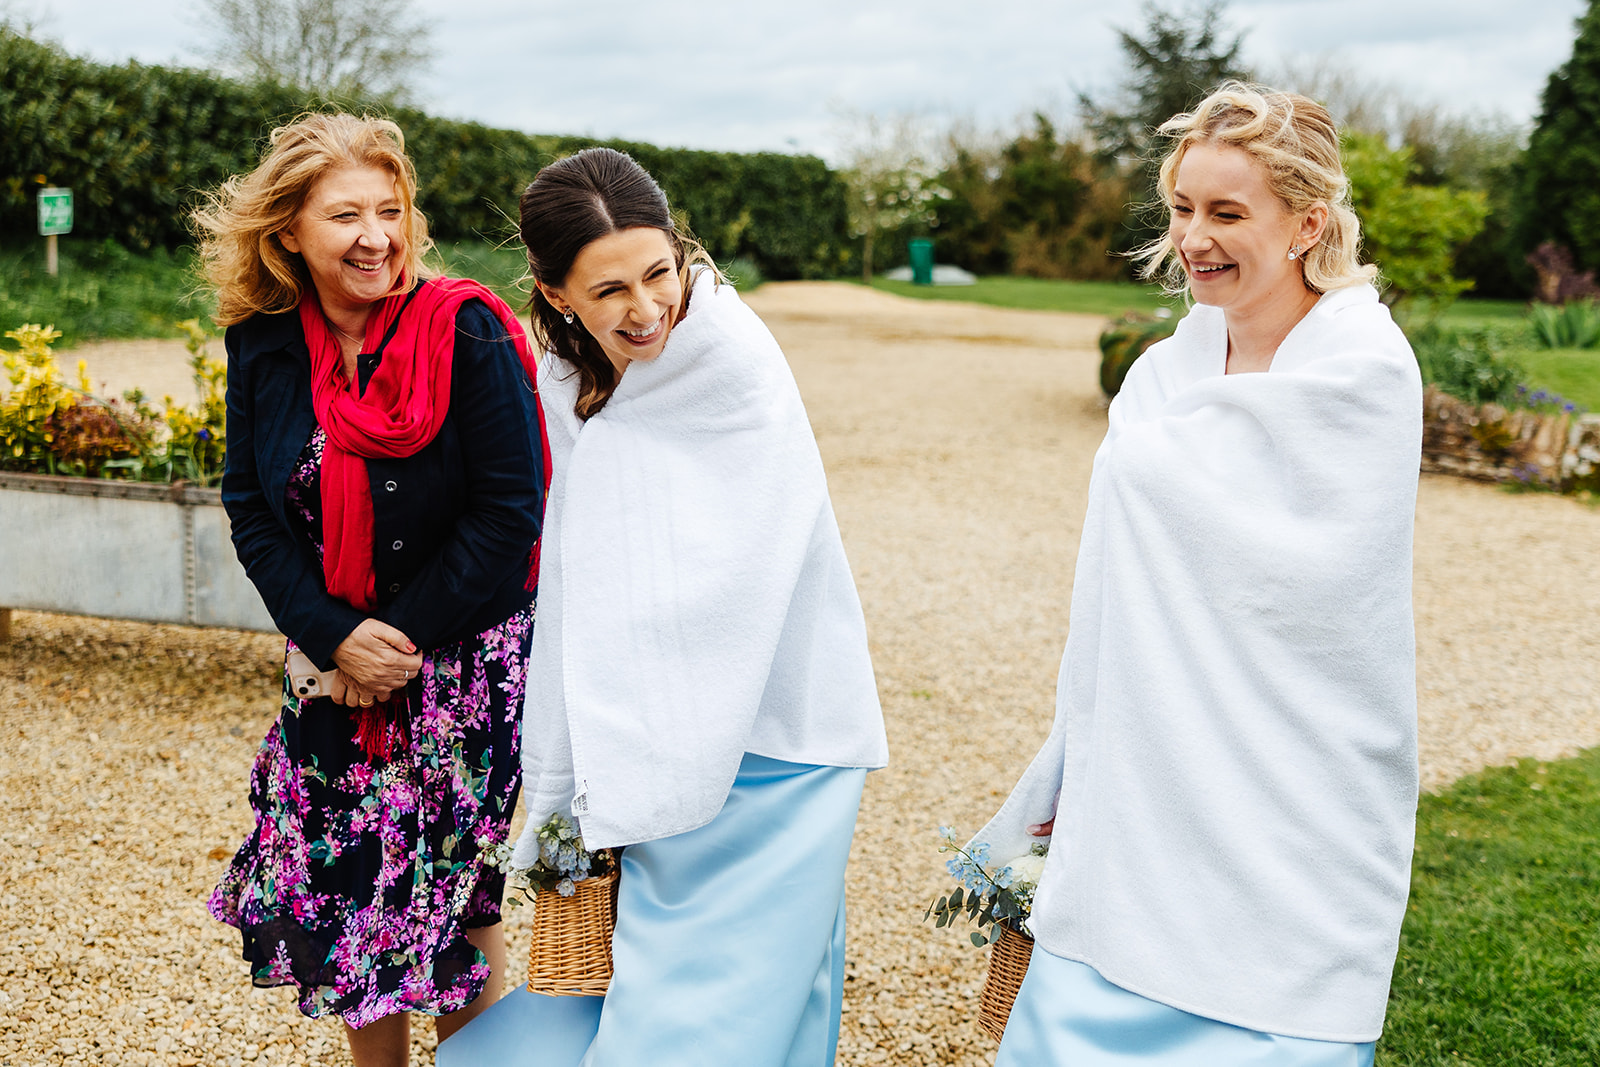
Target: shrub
{"points": [[50, 427], [137, 144], [1575, 324], [1124, 341], [1470, 365]]}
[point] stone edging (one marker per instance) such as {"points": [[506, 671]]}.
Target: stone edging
{"points": [[1490, 443]]}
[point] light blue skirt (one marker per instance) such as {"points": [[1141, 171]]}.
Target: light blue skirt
{"points": [[729, 946], [1066, 1015]]}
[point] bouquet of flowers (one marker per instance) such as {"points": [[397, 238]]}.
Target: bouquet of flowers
{"points": [[562, 864], [991, 895], [1000, 897], [574, 894]]}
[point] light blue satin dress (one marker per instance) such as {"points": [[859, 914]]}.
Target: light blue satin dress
{"points": [[1066, 1014], [729, 947]]}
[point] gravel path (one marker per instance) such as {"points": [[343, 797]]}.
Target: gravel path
{"points": [[958, 442]]}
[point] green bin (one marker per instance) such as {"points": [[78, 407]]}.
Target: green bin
{"points": [[922, 261]]}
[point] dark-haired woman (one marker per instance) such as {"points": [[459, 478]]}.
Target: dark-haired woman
{"points": [[384, 482], [699, 688]]}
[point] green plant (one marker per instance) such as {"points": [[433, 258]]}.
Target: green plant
{"points": [[50, 427], [1411, 231], [744, 274], [102, 290], [1124, 341], [1575, 324], [137, 142], [1041, 205], [1469, 364], [37, 394], [563, 861], [1558, 197]]}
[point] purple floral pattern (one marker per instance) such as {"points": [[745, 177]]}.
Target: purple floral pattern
{"points": [[361, 876]]}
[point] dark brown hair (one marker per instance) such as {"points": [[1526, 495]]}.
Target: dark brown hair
{"points": [[572, 202]]}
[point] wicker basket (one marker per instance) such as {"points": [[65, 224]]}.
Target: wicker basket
{"points": [[1008, 965], [571, 952]]}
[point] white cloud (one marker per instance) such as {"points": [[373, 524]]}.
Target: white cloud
{"points": [[750, 74]]}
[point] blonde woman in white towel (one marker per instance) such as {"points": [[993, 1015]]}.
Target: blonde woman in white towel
{"points": [[703, 695], [1235, 738]]}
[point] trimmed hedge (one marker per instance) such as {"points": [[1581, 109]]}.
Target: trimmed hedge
{"points": [[136, 143]]}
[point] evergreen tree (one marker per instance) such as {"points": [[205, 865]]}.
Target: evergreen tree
{"points": [[1560, 199], [1178, 57]]}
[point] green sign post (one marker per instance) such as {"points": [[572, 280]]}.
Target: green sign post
{"points": [[55, 217]]}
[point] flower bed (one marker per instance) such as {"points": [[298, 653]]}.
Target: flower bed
{"points": [[85, 531]]}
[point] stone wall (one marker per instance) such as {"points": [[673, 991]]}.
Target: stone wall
{"points": [[1490, 443]]}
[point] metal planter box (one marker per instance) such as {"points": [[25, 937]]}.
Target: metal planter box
{"points": [[122, 550]]}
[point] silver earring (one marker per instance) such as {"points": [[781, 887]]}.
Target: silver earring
{"points": [[567, 314], [1294, 253]]}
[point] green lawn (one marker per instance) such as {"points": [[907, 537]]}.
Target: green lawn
{"points": [[1572, 372], [100, 291], [1476, 314], [1040, 294], [1500, 956]]}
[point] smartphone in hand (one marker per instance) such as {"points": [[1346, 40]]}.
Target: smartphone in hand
{"points": [[305, 680]]}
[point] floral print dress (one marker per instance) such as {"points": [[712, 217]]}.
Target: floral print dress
{"points": [[361, 875]]}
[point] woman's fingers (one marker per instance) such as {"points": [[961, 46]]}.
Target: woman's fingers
{"points": [[1042, 829], [376, 656]]}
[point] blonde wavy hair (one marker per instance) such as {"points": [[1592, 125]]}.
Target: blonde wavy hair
{"points": [[238, 224], [1296, 142]]}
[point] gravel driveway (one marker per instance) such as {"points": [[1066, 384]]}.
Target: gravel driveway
{"points": [[958, 442]]}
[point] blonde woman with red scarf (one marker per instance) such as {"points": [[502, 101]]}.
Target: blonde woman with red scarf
{"points": [[385, 482]]}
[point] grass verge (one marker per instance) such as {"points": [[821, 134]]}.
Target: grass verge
{"points": [[1572, 372], [1040, 294], [101, 291], [1500, 955]]}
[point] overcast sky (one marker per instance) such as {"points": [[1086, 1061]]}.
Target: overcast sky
{"points": [[763, 75]]}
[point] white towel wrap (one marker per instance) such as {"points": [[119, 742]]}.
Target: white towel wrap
{"points": [[695, 599], [1235, 732]]}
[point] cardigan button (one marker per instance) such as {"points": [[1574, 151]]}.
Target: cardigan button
{"points": [[398, 545], [390, 486], [395, 588]]}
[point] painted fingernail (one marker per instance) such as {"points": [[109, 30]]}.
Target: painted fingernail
{"points": [[1035, 828]]}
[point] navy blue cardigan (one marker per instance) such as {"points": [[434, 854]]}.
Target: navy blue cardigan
{"points": [[452, 524]]}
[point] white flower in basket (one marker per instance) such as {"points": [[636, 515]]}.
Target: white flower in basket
{"points": [[574, 894], [998, 896]]}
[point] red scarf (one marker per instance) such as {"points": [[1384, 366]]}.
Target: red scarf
{"points": [[401, 411]]}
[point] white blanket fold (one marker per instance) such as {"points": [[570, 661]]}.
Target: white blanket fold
{"points": [[1235, 735], [695, 598]]}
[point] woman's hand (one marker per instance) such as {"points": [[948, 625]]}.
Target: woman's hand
{"points": [[374, 660], [1046, 828], [346, 692]]}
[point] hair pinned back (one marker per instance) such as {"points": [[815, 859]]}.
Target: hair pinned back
{"points": [[1295, 140], [571, 203]]}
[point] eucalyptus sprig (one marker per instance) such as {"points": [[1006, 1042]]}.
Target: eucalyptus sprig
{"points": [[563, 862], [991, 897]]}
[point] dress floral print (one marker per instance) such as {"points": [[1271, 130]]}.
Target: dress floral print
{"points": [[361, 875]]}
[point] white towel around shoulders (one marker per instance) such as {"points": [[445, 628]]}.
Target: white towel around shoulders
{"points": [[1235, 733], [695, 602]]}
